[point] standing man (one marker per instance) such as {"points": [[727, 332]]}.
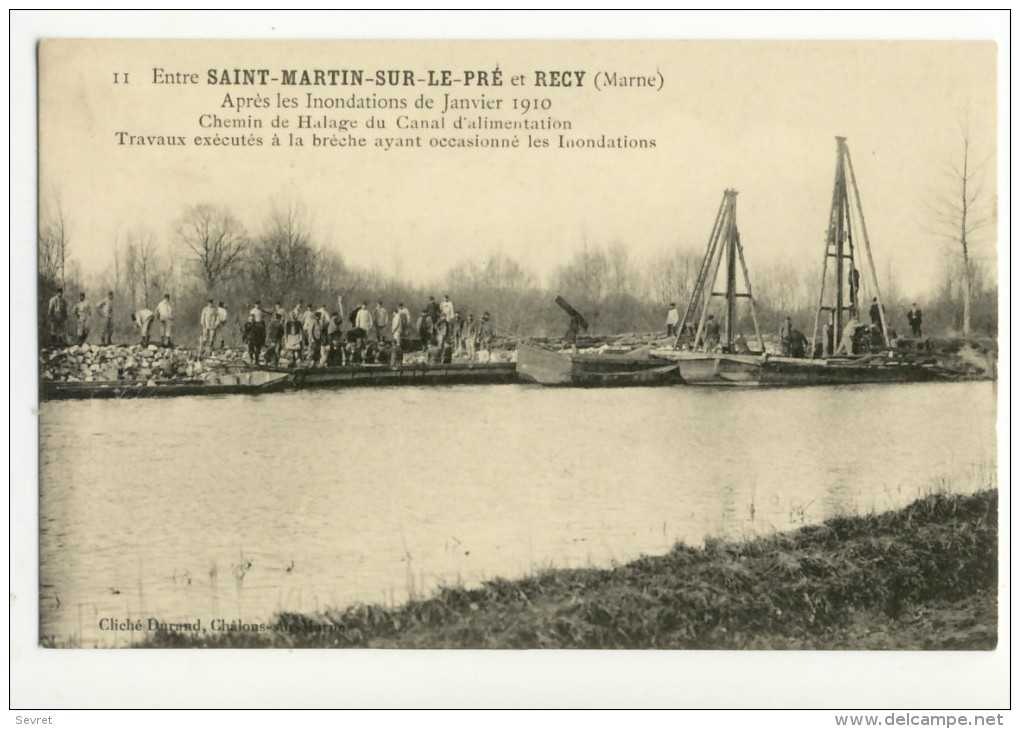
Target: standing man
{"points": [[324, 320], [405, 320], [82, 312], [785, 332], [221, 319], [846, 344], [257, 311], [315, 338], [380, 320], [854, 280], [292, 337], [798, 344], [442, 330], [363, 321], [467, 336], [307, 322], [208, 319], [711, 333], [165, 314], [914, 319], [256, 339], [672, 320], [829, 336], [447, 312], [143, 318], [572, 329], [875, 313], [433, 310], [397, 330], [104, 307], [425, 329], [57, 312], [335, 336], [274, 339], [485, 332]]}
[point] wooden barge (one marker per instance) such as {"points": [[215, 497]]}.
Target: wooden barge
{"points": [[278, 379], [548, 367], [756, 370], [248, 383], [381, 375]]}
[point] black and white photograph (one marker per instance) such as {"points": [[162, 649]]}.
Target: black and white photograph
{"points": [[418, 346]]}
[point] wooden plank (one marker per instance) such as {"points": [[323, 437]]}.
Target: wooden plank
{"points": [[571, 311]]}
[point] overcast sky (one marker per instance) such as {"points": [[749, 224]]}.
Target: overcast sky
{"points": [[760, 117]]}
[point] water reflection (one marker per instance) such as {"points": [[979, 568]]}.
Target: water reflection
{"points": [[238, 507]]}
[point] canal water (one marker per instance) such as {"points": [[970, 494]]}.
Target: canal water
{"points": [[238, 507]]}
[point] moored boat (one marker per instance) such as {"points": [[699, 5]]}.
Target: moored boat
{"points": [[757, 370], [245, 382], [550, 367], [381, 375]]}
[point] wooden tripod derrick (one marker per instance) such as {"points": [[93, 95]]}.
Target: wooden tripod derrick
{"points": [[723, 245], [841, 281]]}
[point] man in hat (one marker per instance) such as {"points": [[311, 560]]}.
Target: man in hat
{"points": [[785, 330], [433, 310], [165, 314], [875, 313], [485, 332], [914, 319], [292, 339], [711, 333], [468, 332], [221, 319], [363, 321], [315, 339], [380, 320], [446, 310], [425, 329], [846, 344], [405, 319], [104, 307], [82, 312], [56, 310], [798, 344], [207, 319], [672, 320], [274, 339]]}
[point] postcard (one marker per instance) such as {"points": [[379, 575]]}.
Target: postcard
{"points": [[665, 346]]}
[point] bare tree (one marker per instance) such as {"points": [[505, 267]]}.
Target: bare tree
{"points": [[618, 265], [586, 276], [284, 259], [140, 264], [215, 239], [961, 212], [670, 278], [54, 240]]}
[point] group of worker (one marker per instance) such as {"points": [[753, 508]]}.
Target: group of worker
{"points": [[320, 337], [444, 332], [793, 343], [58, 314]]}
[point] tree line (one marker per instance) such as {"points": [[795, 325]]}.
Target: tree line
{"points": [[210, 253]]}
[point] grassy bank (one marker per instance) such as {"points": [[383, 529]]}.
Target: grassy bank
{"points": [[923, 577]]}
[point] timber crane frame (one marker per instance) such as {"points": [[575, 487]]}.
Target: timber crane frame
{"points": [[723, 243], [840, 246]]}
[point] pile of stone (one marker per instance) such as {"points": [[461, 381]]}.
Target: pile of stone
{"points": [[95, 363]]}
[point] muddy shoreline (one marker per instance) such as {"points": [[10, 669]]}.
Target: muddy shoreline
{"points": [[920, 578]]}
